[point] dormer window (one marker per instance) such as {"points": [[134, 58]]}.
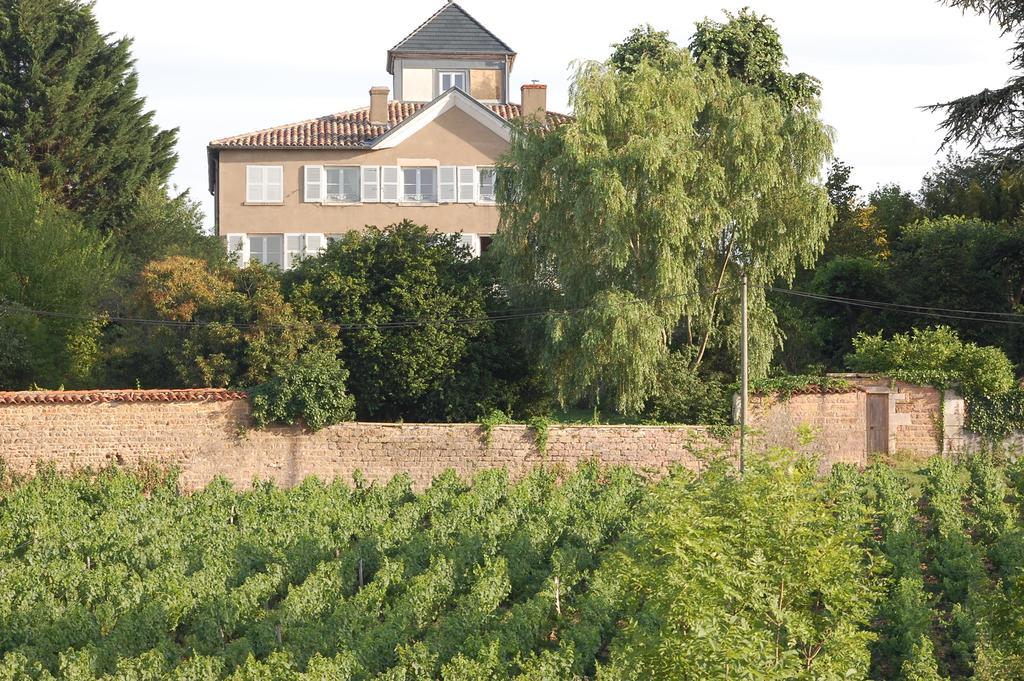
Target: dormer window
{"points": [[450, 79]]}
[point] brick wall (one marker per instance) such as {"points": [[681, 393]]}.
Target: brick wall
{"points": [[206, 438], [829, 425]]}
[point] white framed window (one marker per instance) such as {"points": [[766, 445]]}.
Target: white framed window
{"points": [[485, 186], [294, 250], [342, 184], [267, 249], [238, 248], [264, 184], [419, 185], [450, 79], [472, 242]]}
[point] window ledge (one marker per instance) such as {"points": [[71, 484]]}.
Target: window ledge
{"points": [[344, 203], [414, 204], [263, 203]]}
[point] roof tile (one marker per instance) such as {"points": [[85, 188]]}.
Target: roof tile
{"points": [[96, 396], [349, 129]]}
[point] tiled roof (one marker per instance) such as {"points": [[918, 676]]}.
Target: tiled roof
{"points": [[349, 129], [451, 30], [86, 396]]}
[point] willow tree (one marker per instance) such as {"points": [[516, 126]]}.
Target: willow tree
{"points": [[635, 219]]}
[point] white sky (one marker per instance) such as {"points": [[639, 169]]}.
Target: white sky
{"points": [[216, 68]]}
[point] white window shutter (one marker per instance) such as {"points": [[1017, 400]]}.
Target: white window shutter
{"points": [[447, 184], [314, 184], [315, 244], [371, 184], [275, 184], [467, 184], [254, 184], [238, 249], [389, 180]]}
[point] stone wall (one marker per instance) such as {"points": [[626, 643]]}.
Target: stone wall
{"points": [[830, 425], [209, 436]]}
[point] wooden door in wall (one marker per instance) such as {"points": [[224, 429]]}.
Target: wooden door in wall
{"points": [[878, 423]]}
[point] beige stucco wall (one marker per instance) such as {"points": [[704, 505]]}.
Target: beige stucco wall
{"points": [[454, 138]]}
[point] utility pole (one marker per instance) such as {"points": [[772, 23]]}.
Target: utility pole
{"points": [[743, 374]]}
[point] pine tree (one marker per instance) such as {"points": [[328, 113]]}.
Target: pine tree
{"points": [[70, 111]]}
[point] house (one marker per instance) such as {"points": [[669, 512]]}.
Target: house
{"points": [[427, 154]]}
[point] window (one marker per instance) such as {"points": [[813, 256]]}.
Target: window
{"points": [[267, 249], [264, 184], [342, 185], [419, 185], [485, 194], [450, 79]]}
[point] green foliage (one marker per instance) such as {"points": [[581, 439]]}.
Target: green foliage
{"points": [[370, 284], [684, 395], [48, 261], [316, 582], [604, 575], [540, 425], [747, 46], [964, 264], [934, 356], [724, 575], [976, 187], [70, 111], [489, 421], [788, 385], [160, 227], [312, 389], [229, 327], [638, 215], [644, 43]]}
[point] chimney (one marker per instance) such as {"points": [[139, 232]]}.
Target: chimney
{"points": [[535, 101], [379, 105]]}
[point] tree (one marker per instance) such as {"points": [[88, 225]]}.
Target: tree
{"points": [[408, 305], [224, 327], [70, 111], [993, 115], [160, 227], [855, 232], [644, 42], [640, 213], [964, 264], [748, 47], [893, 210], [975, 187], [48, 262], [740, 578]]}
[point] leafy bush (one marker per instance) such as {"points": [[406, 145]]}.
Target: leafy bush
{"points": [[934, 356], [684, 395], [311, 389], [400, 297]]}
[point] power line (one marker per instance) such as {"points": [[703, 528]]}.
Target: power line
{"points": [[935, 313]]}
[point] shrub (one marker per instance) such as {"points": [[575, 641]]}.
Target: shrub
{"points": [[312, 389], [685, 396], [935, 356]]}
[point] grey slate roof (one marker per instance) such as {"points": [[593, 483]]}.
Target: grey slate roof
{"points": [[451, 30]]}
